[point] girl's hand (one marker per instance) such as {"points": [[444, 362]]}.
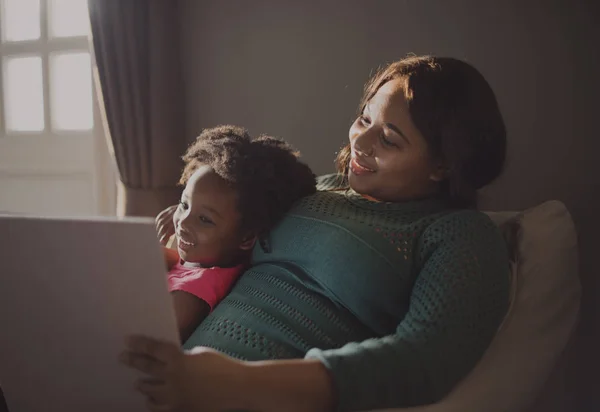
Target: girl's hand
{"points": [[202, 380], [164, 224], [171, 257]]}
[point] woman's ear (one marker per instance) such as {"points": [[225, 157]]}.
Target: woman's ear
{"points": [[248, 242], [440, 173]]}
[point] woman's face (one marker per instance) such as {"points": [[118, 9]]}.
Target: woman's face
{"points": [[390, 159]]}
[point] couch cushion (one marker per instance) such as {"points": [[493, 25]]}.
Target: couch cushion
{"points": [[541, 318]]}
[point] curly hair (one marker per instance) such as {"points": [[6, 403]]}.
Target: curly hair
{"points": [[455, 109], [265, 172]]}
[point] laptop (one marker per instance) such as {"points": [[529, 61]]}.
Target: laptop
{"points": [[71, 289]]}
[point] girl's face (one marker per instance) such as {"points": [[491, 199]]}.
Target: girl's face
{"points": [[390, 158], [208, 223]]}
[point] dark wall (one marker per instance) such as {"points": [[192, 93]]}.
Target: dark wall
{"points": [[296, 69]]}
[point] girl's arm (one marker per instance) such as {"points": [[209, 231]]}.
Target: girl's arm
{"points": [[194, 296], [190, 311]]}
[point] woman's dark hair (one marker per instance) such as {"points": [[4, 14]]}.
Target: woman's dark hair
{"points": [[265, 172], [456, 111]]}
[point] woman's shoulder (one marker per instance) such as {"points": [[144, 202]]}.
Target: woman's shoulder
{"points": [[467, 217], [464, 227], [464, 240]]}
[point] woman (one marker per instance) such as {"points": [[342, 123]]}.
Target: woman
{"points": [[381, 290]]}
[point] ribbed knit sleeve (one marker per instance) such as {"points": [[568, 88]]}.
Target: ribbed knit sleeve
{"points": [[458, 301]]}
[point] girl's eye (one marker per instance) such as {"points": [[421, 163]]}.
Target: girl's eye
{"points": [[183, 205], [206, 220]]}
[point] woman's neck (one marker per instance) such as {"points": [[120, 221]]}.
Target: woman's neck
{"points": [[415, 197], [371, 198]]}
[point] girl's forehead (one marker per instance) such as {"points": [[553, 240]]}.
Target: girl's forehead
{"points": [[206, 180]]}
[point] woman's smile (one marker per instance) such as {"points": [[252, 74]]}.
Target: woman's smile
{"points": [[358, 167]]}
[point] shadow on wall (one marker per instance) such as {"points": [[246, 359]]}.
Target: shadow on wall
{"points": [[3, 407]]}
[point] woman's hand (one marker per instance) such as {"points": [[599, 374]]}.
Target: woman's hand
{"points": [[202, 380], [208, 381], [164, 224]]}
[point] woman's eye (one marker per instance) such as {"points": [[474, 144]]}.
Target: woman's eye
{"points": [[364, 120], [386, 141]]}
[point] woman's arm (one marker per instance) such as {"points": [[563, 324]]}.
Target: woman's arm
{"points": [[190, 311], [288, 385], [457, 303], [208, 381]]}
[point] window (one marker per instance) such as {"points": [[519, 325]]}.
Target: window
{"points": [[46, 66], [49, 134]]}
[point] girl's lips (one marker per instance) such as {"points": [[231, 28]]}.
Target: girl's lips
{"points": [[359, 169], [184, 244]]}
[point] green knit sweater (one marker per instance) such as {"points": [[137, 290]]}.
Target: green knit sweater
{"points": [[398, 300]]}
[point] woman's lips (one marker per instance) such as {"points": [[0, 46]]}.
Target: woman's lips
{"points": [[359, 169]]}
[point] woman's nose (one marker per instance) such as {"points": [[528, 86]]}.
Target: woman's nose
{"points": [[364, 143]]}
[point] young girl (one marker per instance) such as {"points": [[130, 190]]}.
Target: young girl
{"points": [[236, 190]]}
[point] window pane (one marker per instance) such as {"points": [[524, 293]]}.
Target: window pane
{"points": [[23, 94], [21, 20], [71, 91], [68, 18]]}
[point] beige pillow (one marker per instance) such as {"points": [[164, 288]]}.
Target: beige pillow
{"points": [[540, 320]]}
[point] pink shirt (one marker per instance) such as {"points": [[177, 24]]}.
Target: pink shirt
{"points": [[209, 284]]}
